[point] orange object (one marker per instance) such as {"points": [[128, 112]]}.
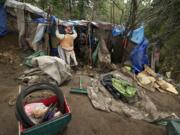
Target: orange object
{"points": [[68, 42], [125, 42]]}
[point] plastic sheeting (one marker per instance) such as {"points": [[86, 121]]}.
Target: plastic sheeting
{"points": [[55, 67], [21, 26], [39, 34], [138, 35], [40, 20], [25, 6], [104, 56], [3, 21], [116, 31], [139, 56], [143, 109]]}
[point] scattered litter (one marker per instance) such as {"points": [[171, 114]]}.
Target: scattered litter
{"points": [[139, 56], [142, 109], [167, 86], [149, 80], [7, 57], [12, 100]]}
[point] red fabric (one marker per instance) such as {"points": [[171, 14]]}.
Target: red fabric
{"points": [[47, 102]]}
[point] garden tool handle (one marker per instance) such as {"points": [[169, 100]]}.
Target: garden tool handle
{"points": [[80, 82]]}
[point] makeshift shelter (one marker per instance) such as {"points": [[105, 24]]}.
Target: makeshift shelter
{"points": [[36, 30], [19, 18]]}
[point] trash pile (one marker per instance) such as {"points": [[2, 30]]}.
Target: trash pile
{"points": [[148, 79]]}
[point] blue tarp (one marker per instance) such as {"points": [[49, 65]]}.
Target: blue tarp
{"points": [[116, 31], [39, 33], [138, 35], [45, 20], [40, 20], [139, 56], [3, 21]]}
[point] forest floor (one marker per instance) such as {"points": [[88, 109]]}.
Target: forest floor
{"points": [[86, 120]]}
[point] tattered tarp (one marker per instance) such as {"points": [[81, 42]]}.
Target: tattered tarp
{"points": [[100, 25], [3, 20], [25, 6], [118, 30], [46, 69], [138, 35], [139, 56], [74, 22], [143, 109], [103, 25], [55, 67]]}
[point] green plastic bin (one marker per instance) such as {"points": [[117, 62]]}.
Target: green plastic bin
{"points": [[51, 127], [173, 127]]}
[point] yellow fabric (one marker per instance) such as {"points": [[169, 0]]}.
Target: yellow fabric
{"points": [[68, 42]]}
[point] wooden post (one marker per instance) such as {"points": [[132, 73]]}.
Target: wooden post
{"points": [[111, 13], [90, 45], [70, 8], [92, 15], [49, 35]]}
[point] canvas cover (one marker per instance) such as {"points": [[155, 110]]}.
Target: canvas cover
{"points": [[25, 6]]}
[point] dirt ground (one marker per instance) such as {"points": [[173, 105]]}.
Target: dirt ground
{"points": [[86, 120]]}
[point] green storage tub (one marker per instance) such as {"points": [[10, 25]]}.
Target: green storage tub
{"points": [[51, 127], [173, 127]]}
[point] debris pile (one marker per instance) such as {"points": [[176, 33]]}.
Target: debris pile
{"points": [[150, 80]]}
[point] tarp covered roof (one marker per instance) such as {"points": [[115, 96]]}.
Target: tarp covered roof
{"points": [[25, 6], [40, 12], [100, 25]]}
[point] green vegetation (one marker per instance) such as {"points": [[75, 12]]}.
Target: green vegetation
{"points": [[82, 9], [162, 19]]}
